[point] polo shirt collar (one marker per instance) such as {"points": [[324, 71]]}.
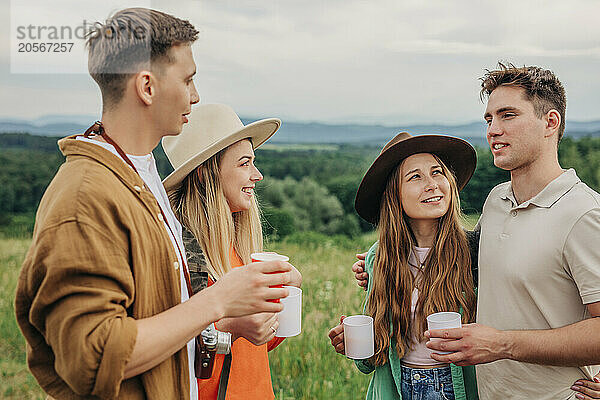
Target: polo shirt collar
{"points": [[550, 194]]}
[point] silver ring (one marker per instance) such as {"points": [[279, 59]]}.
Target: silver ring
{"points": [[273, 329]]}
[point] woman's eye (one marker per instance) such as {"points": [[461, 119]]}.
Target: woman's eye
{"points": [[436, 172], [415, 176]]}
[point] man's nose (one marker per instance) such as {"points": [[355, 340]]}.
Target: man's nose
{"points": [[194, 96], [493, 128]]}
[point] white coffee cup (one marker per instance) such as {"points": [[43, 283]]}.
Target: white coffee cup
{"points": [[290, 318], [358, 337], [443, 320]]}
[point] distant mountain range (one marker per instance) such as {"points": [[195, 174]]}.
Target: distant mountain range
{"points": [[298, 132]]}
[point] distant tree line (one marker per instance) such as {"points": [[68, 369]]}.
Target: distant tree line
{"points": [[303, 190]]}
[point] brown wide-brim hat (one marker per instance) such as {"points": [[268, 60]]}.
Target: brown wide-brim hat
{"points": [[212, 128], [456, 153]]}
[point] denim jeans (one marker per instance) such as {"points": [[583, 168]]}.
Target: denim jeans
{"points": [[427, 384]]}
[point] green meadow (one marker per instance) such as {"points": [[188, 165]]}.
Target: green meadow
{"points": [[15, 380], [302, 367]]}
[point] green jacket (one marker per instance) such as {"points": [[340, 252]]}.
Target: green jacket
{"points": [[386, 381]]}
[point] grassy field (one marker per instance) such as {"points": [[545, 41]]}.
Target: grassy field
{"points": [[306, 366], [302, 367], [15, 380]]}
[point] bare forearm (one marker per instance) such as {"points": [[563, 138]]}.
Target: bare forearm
{"points": [[572, 345], [240, 292], [161, 335]]}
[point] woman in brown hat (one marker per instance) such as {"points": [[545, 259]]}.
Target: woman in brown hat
{"points": [[420, 265], [211, 191]]}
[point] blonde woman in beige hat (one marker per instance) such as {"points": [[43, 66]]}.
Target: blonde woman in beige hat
{"points": [[421, 264], [211, 191]]}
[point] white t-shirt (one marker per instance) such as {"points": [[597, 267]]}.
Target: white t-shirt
{"points": [[418, 354], [146, 166]]}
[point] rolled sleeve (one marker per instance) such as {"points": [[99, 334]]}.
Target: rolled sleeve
{"points": [[273, 343], [364, 366], [582, 255], [82, 286]]}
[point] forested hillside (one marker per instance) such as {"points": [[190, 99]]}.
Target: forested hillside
{"points": [[306, 188]]}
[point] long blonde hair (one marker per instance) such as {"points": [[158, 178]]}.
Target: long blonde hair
{"points": [[445, 284], [200, 204]]}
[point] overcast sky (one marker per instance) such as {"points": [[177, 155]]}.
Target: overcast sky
{"points": [[391, 62]]}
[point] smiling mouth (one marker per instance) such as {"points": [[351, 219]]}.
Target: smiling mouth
{"points": [[499, 146], [248, 190], [432, 199]]}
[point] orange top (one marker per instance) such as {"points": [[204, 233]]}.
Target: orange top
{"points": [[249, 376]]}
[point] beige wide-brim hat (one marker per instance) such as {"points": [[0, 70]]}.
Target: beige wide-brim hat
{"points": [[211, 128], [456, 153]]}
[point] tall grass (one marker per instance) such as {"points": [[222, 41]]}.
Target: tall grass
{"points": [[306, 366], [15, 380], [302, 367]]}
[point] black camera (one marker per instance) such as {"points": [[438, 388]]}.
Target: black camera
{"points": [[208, 344]]}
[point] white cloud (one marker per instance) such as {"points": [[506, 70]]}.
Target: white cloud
{"points": [[387, 61]]}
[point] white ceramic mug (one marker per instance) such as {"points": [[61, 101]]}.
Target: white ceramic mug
{"points": [[290, 318], [443, 320], [359, 340]]}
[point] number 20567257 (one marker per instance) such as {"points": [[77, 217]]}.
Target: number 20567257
{"points": [[44, 47]]}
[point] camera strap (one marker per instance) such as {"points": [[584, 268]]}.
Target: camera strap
{"points": [[224, 379], [200, 276]]}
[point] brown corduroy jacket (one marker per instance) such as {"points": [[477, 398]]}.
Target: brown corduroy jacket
{"points": [[100, 259]]}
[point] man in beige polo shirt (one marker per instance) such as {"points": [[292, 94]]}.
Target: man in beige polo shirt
{"points": [[539, 260]]}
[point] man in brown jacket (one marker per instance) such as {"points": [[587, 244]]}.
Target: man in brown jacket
{"points": [[103, 298]]}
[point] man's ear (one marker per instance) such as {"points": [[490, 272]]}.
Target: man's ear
{"points": [[145, 86], [553, 120]]}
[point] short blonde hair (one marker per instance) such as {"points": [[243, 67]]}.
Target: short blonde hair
{"points": [[131, 40]]}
